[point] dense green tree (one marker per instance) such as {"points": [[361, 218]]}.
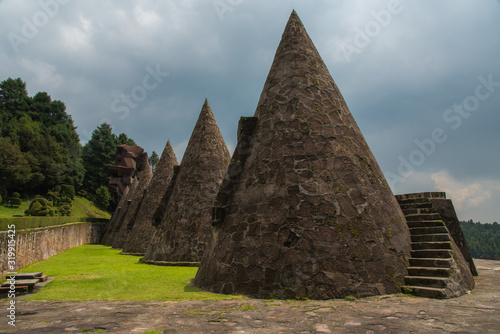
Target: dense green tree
{"points": [[42, 138], [483, 239], [15, 171], [98, 154], [122, 139], [153, 161], [102, 197]]}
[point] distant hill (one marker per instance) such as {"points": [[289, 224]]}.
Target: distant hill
{"points": [[483, 239]]}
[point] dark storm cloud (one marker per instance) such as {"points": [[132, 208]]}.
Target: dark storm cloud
{"points": [[401, 66]]}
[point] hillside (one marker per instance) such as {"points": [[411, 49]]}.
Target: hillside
{"points": [[81, 207]]}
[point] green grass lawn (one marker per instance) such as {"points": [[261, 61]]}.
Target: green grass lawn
{"points": [[96, 272], [9, 212]]}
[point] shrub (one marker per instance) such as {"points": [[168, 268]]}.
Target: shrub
{"points": [[16, 195], [1, 199], [68, 190], [14, 201], [102, 197], [43, 213]]}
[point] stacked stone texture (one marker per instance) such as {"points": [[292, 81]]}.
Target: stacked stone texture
{"points": [[129, 162], [447, 212], [142, 231], [116, 221], [305, 211], [185, 228], [143, 180]]}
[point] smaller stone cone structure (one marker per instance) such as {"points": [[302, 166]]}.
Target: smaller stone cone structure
{"points": [[142, 230], [120, 211], [185, 228], [143, 180], [129, 162], [114, 224], [305, 211]]}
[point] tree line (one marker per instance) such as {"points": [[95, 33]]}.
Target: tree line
{"points": [[483, 239], [40, 149]]}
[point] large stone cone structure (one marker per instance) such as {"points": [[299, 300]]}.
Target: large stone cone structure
{"points": [[304, 211], [124, 228], [142, 230], [130, 161], [184, 215]]}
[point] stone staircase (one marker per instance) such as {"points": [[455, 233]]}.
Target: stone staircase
{"points": [[431, 262]]}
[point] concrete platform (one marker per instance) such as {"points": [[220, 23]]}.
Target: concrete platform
{"points": [[477, 312]]}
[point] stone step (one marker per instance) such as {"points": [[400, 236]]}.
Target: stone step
{"points": [[30, 283], [431, 253], [19, 289], [431, 245], [423, 216], [425, 205], [421, 291], [430, 262], [429, 272], [412, 201], [26, 275], [418, 211], [427, 282], [430, 237], [428, 230], [425, 223]]}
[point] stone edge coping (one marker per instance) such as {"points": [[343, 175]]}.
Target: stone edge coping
{"points": [[430, 195], [50, 227], [170, 264]]}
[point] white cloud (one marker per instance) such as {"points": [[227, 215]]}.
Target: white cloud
{"points": [[466, 195]]}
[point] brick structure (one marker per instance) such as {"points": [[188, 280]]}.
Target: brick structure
{"points": [[183, 218], [304, 210], [142, 229]]}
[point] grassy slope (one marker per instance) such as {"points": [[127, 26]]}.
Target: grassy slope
{"points": [[81, 208], [96, 272]]}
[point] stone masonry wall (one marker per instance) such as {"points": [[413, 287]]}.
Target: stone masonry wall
{"points": [[41, 243]]}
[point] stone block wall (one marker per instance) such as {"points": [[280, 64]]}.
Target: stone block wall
{"points": [[41, 243]]}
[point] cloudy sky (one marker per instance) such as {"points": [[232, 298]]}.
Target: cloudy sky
{"points": [[422, 78]]}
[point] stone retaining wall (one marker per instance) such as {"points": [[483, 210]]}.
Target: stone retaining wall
{"points": [[41, 243]]}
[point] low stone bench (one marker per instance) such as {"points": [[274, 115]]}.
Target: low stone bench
{"points": [[19, 289], [30, 283]]}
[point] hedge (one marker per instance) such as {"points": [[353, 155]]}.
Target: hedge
{"points": [[23, 223]]}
